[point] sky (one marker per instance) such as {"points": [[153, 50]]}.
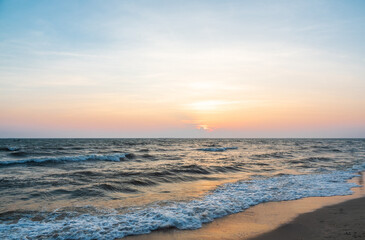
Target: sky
{"points": [[186, 68]]}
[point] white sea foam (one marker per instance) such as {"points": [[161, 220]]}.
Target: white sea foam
{"points": [[225, 200], [220, 149], [10, 148], [358, 167], [77, 158]]}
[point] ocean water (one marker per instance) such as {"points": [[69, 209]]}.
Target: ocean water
{"points": [[112, 188]]}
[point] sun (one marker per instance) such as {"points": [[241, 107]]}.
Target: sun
{"points": [[204, 127]]}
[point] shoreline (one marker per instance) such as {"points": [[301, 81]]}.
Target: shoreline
{"points": [[259, 221]]}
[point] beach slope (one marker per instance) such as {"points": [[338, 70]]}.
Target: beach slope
{"points": [[341, 221]]}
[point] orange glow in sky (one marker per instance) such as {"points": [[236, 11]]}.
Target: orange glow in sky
{"points": [[192, 69]]}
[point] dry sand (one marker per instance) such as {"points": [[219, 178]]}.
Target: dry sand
{"points": [[339, 217]]}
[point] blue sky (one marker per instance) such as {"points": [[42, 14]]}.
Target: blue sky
{"points": [[182, 68]]}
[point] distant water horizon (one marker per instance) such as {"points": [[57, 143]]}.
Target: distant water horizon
{"points": [[20, 138], [105, 188]]}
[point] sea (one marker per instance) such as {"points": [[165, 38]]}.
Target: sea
{"points": [[112, 188]]}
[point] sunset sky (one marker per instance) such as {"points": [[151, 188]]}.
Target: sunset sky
{"points": [[182, 68]]}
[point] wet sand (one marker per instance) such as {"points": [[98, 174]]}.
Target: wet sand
{"points": [[339, 217], [341, 221]]}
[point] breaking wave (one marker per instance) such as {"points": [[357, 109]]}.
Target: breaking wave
{"points": [[219, 149], [9, 148], [78, 158], [226, 199]]}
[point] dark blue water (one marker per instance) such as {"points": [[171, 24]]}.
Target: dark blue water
{"points": [[109, 188]]}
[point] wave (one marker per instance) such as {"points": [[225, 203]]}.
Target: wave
{"points": [[319, 149], [78, 158], [147, 156], [9, 148], [18, 154], [116, 188], [193, 168], [144, 150], [272, 155], [142, 182], [317, 159], [219, 149], [226, 199]]}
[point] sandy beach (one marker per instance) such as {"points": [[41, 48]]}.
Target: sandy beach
{"points": [[341, 221], [338, 217]]}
